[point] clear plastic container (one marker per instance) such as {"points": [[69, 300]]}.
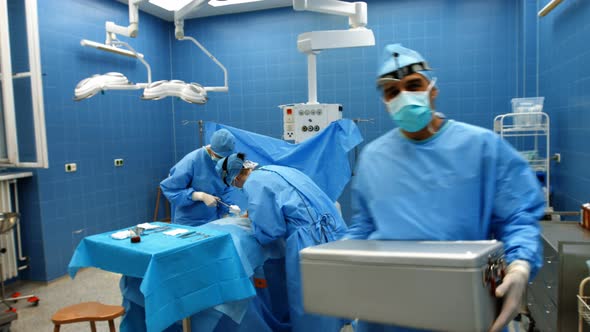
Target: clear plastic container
{"points": [[527, 105]]}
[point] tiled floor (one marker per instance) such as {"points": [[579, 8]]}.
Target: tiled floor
{"points": [[90, 285]]}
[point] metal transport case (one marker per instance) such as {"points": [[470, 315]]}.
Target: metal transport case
{"points": [[434, 285]]}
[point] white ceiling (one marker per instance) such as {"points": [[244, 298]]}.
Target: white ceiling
{"points": [[207, 10]]}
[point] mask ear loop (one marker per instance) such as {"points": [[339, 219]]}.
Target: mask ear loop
{"points": [[431, 85], [429, 126]]}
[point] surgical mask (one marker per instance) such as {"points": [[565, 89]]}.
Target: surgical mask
{"points": [[211, 154], [410, 110]]}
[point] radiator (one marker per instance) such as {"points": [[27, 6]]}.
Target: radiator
{"points": [[9, 258]]}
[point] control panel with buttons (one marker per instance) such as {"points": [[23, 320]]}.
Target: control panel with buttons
{"points": [[302, 121]]}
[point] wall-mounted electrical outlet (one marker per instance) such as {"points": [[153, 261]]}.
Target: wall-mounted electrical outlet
{"points": [[71, 167], [118, 162]]}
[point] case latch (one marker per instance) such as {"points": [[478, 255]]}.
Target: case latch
{"points": [[494, 272]]}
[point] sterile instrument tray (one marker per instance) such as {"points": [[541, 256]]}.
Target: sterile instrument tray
{"points": [[435, 285]]}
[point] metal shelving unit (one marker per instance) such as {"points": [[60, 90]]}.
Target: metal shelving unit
{"points": [[530, 135]]}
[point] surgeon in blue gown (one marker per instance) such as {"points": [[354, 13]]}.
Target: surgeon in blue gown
{"points": [[193, 186], [437, 179], [285, 204]]}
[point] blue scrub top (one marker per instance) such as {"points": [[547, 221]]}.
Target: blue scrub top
{"points": [[465, 183], [284, 203], [194, 172]]}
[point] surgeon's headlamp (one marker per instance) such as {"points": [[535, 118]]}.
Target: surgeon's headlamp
{"points": [[402, 72], [225, 172]]}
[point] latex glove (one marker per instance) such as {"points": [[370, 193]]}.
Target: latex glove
{"points": [[234, 209], [512, 291], [209, 200]]}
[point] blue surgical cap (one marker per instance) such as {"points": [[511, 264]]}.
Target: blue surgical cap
{"points": [[222, 142], [229, 167], [398, 62]]}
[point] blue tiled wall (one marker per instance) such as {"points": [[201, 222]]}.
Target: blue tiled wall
{"points": [[564, 80], [93, 132], [474, 46], [529, 48]]}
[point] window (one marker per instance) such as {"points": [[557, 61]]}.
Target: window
{"points": [[22, 121]]}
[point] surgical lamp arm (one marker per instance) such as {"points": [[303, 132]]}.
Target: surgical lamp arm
{"points": [[356, 11], [131, 30], [180, 14], [213, 88], [117, 42], [313, 42]]}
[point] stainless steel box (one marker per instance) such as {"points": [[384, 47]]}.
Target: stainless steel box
{"points": [[431, 285]]}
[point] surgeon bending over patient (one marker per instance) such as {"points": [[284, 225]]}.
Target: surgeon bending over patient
{"points": [[193, 187], [284, 203]]}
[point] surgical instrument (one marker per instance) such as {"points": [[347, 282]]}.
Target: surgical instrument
{"points": [[232, 208], [223, 203], [156, 230], [183, 235]]}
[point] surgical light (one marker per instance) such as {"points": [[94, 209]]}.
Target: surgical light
{"points": [[110, 81], [90, 86], [219, 3], [190, 92]]}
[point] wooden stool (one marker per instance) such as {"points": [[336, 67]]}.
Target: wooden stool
{"points": [[87, 312], [166, 206]]}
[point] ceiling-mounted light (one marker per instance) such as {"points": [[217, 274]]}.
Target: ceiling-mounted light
{"points": [[170, 5], [90, 86], [189, 92], [219, 3]]}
